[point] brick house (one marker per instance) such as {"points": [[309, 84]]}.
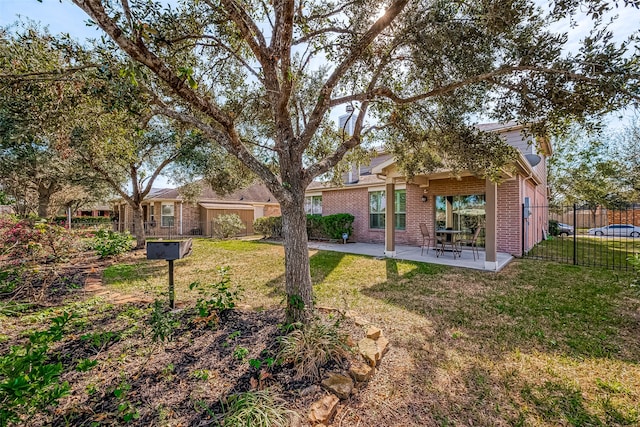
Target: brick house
{"points": [[440, 200], [166, 212]]}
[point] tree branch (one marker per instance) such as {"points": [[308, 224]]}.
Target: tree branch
{"points": [[324, 100]]}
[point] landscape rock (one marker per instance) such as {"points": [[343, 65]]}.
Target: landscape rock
{"points": [[338, 384], [369, 351], [312, 389], [323, 410], [360, 372], [373, 332], [359, 321], [383, 345]]}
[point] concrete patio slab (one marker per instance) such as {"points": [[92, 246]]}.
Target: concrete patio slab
{"points": [[412, 253]]}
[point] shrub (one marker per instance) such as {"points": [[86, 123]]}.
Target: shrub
{"points": [[83, 220], [228, 225], [216, 298], [111, 243], [311, 347], [315, 227], [261, 408], [29, 383], [268, 226], [162, 323], [335, 225], [318, 227], [554, 228]]}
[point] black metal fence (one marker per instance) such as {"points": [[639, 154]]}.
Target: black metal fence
{"points": [[582, 235]]}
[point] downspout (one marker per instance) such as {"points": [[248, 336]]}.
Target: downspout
{"points": [[181, 217]]}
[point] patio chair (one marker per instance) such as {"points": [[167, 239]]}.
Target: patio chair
{"points": [[426, 238], [472, 242]]}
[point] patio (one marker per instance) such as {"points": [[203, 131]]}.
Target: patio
{"points": [[412, 253]]}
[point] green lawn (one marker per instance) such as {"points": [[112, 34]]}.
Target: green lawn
{"points": [[607, 252], [537, 344]]}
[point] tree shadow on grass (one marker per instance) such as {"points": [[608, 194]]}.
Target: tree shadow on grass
{"points": [[321, 264]]}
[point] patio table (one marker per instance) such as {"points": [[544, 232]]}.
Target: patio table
{"points": [[448, 238]]}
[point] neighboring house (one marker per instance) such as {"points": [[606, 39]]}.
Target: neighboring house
{"points": [[99, 210], [165, 211], [441, 200]]}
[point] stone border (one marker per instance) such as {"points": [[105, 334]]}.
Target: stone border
{"points": [[371, 349]]}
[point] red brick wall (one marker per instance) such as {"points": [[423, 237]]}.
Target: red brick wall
{"points": [[356, 202], [508, 222]]}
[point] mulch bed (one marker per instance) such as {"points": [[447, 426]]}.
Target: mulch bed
{"points": [[181, 382]]}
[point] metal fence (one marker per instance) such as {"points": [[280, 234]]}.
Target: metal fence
{"points": [[583, 235]]}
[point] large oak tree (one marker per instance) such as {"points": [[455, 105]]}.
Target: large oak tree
{"points": [[261, 78]]}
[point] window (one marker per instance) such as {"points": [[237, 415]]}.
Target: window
{"points": [[152, 213], [377, 204], [166, 212], [464, 213], [313, 205], [400, 210]]}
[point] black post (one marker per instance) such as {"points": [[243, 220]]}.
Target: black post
{"points": [[172, 292], [575, 235]]}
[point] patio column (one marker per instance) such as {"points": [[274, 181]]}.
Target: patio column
{"points": [[490, 230], [389, 228]]}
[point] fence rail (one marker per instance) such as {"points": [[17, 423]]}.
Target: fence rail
{"points": [[586, 236]]}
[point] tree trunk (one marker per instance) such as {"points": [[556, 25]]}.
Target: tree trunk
{"points": [[138, 226], [44, 199], [296, 257]]}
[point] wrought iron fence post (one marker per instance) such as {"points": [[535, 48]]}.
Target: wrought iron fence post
{"points": [[575, 234]]}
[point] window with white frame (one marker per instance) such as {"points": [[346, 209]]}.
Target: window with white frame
{"points": [[377, 204], [400, 210], [167, 214], [313, 205]]}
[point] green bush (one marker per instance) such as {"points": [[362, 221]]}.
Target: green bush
{"points": [[163, 324], [315, 227], [554, 228], [335, 225], [216, 298], [318, 227], [268, 226], [110, 243], [83, 220], [229, 225], [29, 383]]}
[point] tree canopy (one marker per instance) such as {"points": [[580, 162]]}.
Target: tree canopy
{"points": [[261, 78]]}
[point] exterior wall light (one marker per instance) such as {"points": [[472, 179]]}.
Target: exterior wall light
{"points": [[425, 198]]}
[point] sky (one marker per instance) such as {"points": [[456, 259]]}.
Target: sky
{"points": [[62, 16]]}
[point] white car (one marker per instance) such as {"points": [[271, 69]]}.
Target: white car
{"points": [[619, 230]]}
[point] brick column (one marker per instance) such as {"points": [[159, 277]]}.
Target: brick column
{"points": [[490, 230], [389, 226]]}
